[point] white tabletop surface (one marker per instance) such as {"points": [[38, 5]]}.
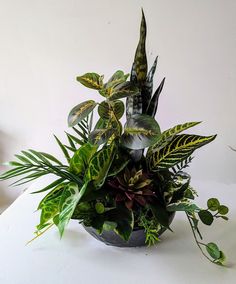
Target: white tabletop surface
{"points": [[79, 258]]}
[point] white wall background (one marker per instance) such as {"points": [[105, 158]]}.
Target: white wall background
{"points": [[45, 44]]}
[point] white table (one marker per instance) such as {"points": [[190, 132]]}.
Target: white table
{"points": [[79, 258]]}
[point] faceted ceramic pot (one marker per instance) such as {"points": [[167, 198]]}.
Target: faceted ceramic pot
{"points": [[110, 238]]}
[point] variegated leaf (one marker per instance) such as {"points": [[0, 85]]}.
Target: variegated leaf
{"points": [[117, 78], [100, 164], [107, 110], [101, 135], [140, 60], [91, 80], [79, 162], [148, 87], [178, 149], [50, 204], [153, 104], [79, 112], [169, 134], [123, 90], [70, 198], [140, 131]]}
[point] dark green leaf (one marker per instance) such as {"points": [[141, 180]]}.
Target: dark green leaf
{"points": [[152, 107], [206, 217], [108, 110], [161, 214], [79, 112], [123, 90], [140, 131]]}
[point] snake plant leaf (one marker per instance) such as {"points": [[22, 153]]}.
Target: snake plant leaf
{"points": [[140, 59], [91, 80], [117, 78], [100, 164], [140, 131], [107, 110], [123, 90], [153, 104], [178, 149], [79, 112], [79, 162], [68, 201], [49, 205], [147, 88], [169, 134]]}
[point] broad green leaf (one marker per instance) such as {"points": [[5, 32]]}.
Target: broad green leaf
{"points": [[177, 150], [140, 60], [221, 259], [100, 136], [213, 204], [140, 131], [213, 251], [71, 196], [91, 80], [117, 78], [79, 162], [206, 217], [182, 206], [153, 104], [120, 161], [123, 90], [169, 134], [161, 214], [100, 164], [79, 112], [50, 204], [107, 110], [223, 210]]}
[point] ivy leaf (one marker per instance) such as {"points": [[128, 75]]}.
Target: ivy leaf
{"points": [[91, 80], [140, 131], [79, 112], [213, 204], [213, 251], [206, 217], [123, 90]]}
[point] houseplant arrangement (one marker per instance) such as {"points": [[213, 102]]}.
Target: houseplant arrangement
{"points": [[123, 183]]}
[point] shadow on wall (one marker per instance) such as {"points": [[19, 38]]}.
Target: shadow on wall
{"points": [[5, 198]]}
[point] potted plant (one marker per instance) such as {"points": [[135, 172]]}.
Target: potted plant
{"points": [[123, 183]]}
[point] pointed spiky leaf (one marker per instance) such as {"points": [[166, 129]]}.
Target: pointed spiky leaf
{"points": [[140, 131], [178, 149], [79, 112], [153, 104], [91, 80]]}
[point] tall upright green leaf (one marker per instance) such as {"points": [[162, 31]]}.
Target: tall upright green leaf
{"points": [[178, 149], [140, 131], [91, 80], [153, 104], [79, 112]]}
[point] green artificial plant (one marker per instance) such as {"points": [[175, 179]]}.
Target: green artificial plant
{"points": [[121, 177]]}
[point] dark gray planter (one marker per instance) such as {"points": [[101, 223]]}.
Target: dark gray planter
{"points": [[110, 238]]}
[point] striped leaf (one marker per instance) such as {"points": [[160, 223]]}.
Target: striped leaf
{"points": [[140, 131], [91, 80], [153, 104], [100, 165], [68, 201], [178, 149], [117, 78], [79, 112], [169, 134], [101, 136], [123, 90]]}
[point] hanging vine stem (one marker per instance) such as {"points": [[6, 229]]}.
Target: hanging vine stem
{"points": [[196, 240]]}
